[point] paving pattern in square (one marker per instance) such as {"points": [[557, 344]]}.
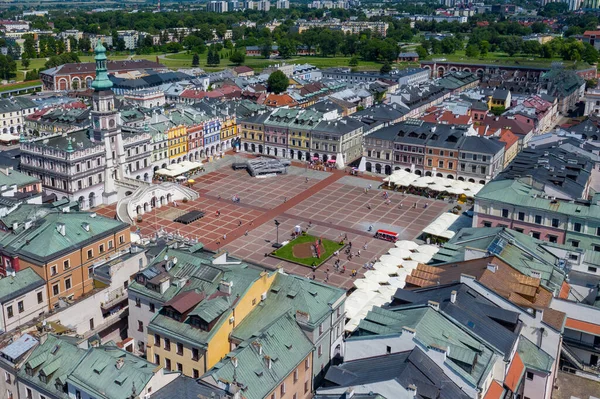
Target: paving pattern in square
{"points": [[335, 204]]}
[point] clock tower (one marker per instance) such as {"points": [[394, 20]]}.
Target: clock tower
{"points": [[105, 126]]}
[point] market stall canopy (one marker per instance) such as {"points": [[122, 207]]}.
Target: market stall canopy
{"points": [[447, 225], [405, 244], [178, 169], [401, 253]]}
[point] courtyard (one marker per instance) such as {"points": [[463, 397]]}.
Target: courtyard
{"points": [[329, 205]]}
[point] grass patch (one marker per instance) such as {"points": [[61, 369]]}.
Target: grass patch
{"points": [[19, 85], [501, 59], [287, 251]]}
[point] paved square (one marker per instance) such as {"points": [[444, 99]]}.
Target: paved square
{"points": [[333, 204]]}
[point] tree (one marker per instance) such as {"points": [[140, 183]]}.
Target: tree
{"points": [[385, 68], [213, 56], [25, 63], [590, 54], [265, 50], [277, 82], [29, 47], [472, 51], [120, 44], [484, 47], [353, 62], [195, 60], [238, 57], [85, 44], [286, 48], [422, 52], [8, 67], [512, 45]]}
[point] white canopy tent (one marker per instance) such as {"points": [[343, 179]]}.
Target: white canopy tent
{"points": [[406, 244], [178, 169], [364, 284], [385, 268], [421, 257], [428, 249], [390, 260], [399, 253], [410, 265], [377, 276]]}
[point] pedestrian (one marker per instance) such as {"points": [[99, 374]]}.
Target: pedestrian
{"points": [[415, 205], [350, 244], [310, 223], [344, 269], [358, 253], [239, 223], [284, 199], [400, 206], [370, 186], [307, 179], [219, 197], [224, 237], [246, 233], [218, 243], [369, 206], [365, 247], [251, 222], [345, 236]]}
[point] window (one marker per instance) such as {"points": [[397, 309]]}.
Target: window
{"points": [[7, 377], [140, 326], [90, 254], [577, 227], [68, 283], [195, 354], [121, 239], [101, 248], [521, 216], [555, 222], [167, 363], [179, 348], [295, 376], [487, 224], [388, 350], [598, 231], [91, 324], [9, 394], [529, 375], [596, 248], [151, 307], [138, 303], [273, 396], [9, 311], [53, 271], [110, 244], [90, 271], [518, 230], [575, 243], [320, 328], [504, 213], [535, 235], [253, 301], [282, 389], [20, 306], [55, 290], [29, 394], [538, 219], [167, 344], [305, 386], [553, 239], [66, 264], [156, 359], [180, 367], [440, 164], [320, 350], [195, 373], [592, 269], [40, 297], [156, 340], [306, 364]]}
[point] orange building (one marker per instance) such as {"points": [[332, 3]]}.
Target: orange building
{"points": [[60, 246]]}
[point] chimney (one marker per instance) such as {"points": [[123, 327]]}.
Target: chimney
{"points": [[15, 225], [434, 305], [258, 347], [412, 389], [453, 295], [61, 228], [234, 361], [86, 226], [268, 362], [225, 287], [492, 267], [302, 317], [349, 393], [120, 362]]}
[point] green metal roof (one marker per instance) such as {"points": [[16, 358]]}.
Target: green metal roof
{"points": [[57, 358], [534, 357], [12, 177], [98, 375], [101, 82], [434, 331], [282, 341], [24, 281], [42, 241], [311, 297]]}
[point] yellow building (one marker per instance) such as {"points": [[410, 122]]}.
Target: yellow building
{"points": [[191, 332], [229, 131], [177, 136], [252, 132]]}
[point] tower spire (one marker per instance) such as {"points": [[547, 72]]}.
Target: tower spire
{"points": [[101, 82]]}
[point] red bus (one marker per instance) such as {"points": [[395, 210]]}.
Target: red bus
{"points": [[386, 235]]}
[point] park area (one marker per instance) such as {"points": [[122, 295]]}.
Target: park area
{"points": [[308, 250]]}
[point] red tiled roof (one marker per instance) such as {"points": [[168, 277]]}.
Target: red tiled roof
{"points": [[515, 373], [280, 100], [243, 69], [584, 326], [508, 138], [495, 391], [112, 66], [591, 32]]}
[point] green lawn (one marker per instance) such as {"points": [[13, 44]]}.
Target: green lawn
{"points": [[287, 251], [19, 85], [501, 58]]}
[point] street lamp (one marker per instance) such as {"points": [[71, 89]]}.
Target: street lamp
{"points": [[277, 244]]}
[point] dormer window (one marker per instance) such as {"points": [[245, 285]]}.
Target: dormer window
{"points": [[169, 312], [199, 323], [29, 370]]}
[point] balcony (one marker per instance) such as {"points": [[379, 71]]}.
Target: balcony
{"points": [[115, 298]]}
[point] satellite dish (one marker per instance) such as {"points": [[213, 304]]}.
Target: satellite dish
{"points": [[174, 261]]}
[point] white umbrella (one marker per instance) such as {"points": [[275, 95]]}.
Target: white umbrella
{"points": [[421, 258], [387, 290], [356, 301], [377, 276], [366, 285], [410, 265], [397, 282], [405, 244], [428, 249], [390, 260], [420, 183], [400, 253], [385, 268]]}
